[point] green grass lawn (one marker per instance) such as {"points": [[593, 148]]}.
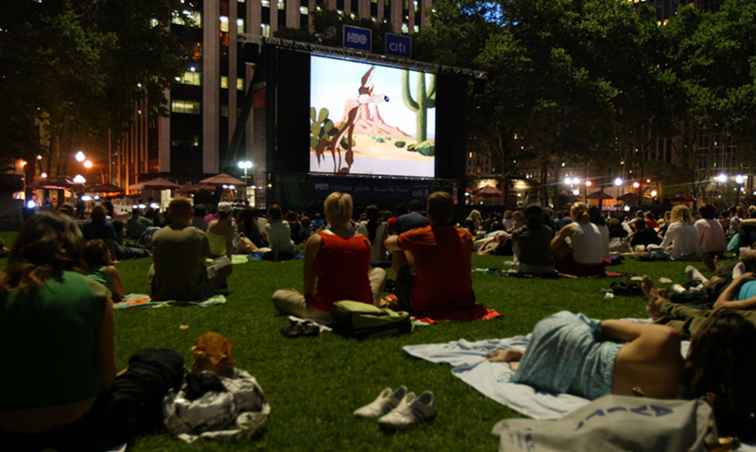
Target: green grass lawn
{"points": [[314, 384]]}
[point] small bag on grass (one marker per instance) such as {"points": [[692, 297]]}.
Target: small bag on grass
{"points": [[362, 320], [212, 352]]}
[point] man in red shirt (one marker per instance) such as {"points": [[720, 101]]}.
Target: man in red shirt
{"points": [[440, 255]]}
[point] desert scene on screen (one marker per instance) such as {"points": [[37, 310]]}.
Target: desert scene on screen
{"points": [[369, 119]]}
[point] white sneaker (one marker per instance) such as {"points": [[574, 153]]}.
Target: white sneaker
{"points": [[387, 400], [411, 410]]}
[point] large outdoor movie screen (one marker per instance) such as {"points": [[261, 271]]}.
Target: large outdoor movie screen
{"points": [[369, 119]]}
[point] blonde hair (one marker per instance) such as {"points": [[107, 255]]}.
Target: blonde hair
{"points": [[338, 208], [579, 212], [680, 214]]}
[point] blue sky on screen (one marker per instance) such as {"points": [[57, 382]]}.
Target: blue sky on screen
{"points": [[333, 81]]}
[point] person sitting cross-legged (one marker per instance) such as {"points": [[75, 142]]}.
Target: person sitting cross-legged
{"points": [[578, 246], [532, 244], [179, 252], [440, 256], [278, 233], [336, 267]]}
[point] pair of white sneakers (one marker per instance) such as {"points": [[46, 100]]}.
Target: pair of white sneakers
{"points": [[399, 409]]}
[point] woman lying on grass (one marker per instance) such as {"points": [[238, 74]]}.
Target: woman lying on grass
{"points": [[590, 358]]}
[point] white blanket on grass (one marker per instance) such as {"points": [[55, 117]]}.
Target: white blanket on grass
{"points": [[493, 380]]}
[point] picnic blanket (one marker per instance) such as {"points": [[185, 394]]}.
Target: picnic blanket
{"points": [[136, 300], [493, 380]]}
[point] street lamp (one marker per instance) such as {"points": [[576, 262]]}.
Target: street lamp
{"points": [[79, 179], [618, 182], [80, 157], [721, 178], [654, 193], [636, 185], [88, 164], [245, 165], [740, 179]]}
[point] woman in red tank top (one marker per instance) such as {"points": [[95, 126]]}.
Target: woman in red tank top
{"points": [[336, 267]]}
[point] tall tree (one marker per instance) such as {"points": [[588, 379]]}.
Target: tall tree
{"points": [[71, 69]]}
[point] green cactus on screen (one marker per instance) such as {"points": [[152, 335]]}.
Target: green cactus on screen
{"points": [[426, 99]]}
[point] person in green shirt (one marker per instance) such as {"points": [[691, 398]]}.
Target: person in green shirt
{"points": [[61, 326], [58, 387]]}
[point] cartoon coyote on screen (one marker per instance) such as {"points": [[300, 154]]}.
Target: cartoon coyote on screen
{"points": [[362, 115]]}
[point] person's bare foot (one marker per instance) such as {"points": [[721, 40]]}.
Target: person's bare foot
{"points": [[505, 355], [647, 286], [653, 308]]}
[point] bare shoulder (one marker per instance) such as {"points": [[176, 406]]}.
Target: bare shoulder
{"points": [[314, 241], [110, 270]]}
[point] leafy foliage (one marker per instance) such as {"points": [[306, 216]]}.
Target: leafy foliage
{"points": [[74, 69]]}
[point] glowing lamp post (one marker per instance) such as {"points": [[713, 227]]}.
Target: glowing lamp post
{"points": [[88, 164], [245, 165], [80, 156]]}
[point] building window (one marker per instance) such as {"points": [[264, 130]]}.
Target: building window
{"points": [[265, 30], [417, 29], [304, 10], [265, 3], [405, 28], [195, 18], [224, 24], [281, 5], [239, 83], [340, 5], [185, 106], [190, 78], [355, 5]]}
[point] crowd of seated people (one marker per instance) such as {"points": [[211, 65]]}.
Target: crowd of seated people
{"points": [[64, 277]]}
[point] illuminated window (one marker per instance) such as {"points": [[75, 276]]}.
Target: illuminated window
{"points": [[190, 78], [195, 18], [154, 22], [239, 83], [265, 3], [281, 5], [240, 25], [185, 106], [265, 30], [224, 24], [405, 28], [304, 10], [417, 29]]}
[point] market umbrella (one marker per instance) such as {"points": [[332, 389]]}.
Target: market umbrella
{"points": [[600, 195], [191, 188], [629, 198], [53, 183], [104, 188], [221, 179], [489, 192], [155, 184]]}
